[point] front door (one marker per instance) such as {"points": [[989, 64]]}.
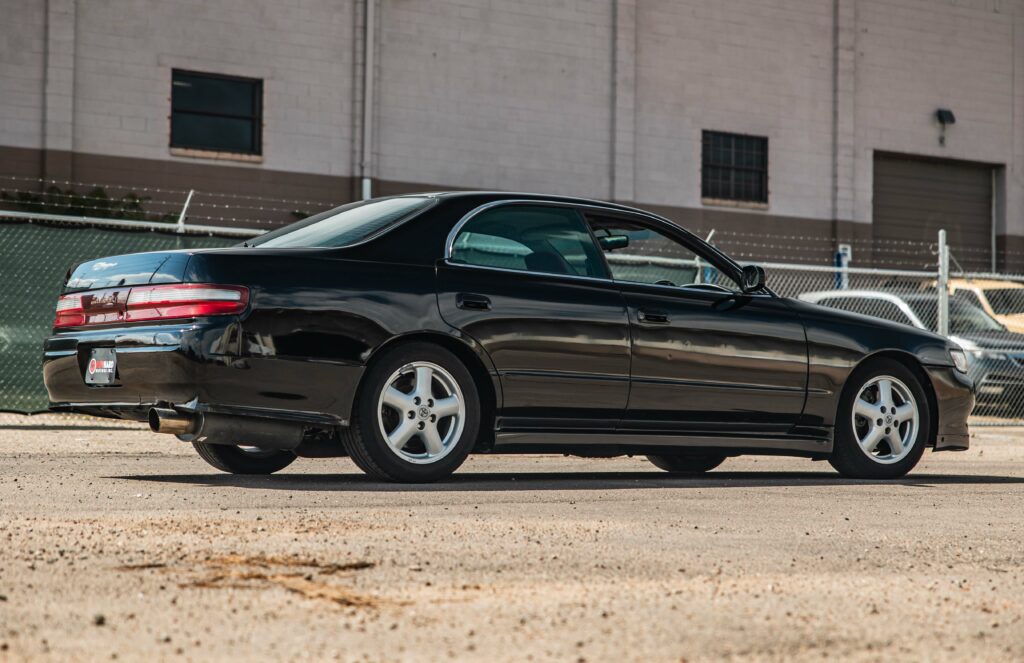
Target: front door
{"points": [[527, 282], [705, 357]]}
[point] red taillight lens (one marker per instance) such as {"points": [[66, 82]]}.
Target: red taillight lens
{"points": [[69, 311], [154, 302], [186, 300]]}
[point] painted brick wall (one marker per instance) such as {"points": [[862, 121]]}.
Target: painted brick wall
{"points": [[510, 95], [302, 49], [22, 45], [914, 56]]}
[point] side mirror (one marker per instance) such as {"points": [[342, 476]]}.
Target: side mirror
{"points": [[612, 242], [753, 278]]}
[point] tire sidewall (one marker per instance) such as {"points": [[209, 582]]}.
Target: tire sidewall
{"points": [[693, 464], [376, 445], [847, 456]]}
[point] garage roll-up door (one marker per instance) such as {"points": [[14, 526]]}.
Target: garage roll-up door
{"points": [[914, 198]]}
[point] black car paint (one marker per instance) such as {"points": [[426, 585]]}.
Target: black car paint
{"points": [[748, 371]]}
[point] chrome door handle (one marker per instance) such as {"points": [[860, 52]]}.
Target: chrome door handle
{"points": [[647, 315], [465, 300]]}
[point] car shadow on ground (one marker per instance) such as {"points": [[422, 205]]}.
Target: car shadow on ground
{"points": [[524, 481]]}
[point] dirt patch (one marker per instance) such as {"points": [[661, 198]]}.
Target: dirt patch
{"points": [[294, 574]]}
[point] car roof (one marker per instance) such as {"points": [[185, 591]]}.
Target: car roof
{"points": [[984, 284], [519, 195]]}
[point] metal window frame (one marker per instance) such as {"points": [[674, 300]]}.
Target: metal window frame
{"points": [[256, 118], [706, 163]]}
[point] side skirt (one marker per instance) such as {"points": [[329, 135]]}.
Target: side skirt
{"points": [[638, 443]]}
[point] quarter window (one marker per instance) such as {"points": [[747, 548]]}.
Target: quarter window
{"points": [[734, 167], [219, 113], [535, 238]]}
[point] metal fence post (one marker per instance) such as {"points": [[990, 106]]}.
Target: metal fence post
{"points": [[184, 211], [942, 286]]}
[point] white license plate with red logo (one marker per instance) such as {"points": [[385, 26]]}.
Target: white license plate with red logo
{"points": [[102, 366]]}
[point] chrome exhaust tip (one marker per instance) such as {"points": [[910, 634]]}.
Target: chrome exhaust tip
{"points": [[166, 420]]}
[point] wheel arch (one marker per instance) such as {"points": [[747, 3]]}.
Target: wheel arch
{"points": [[470, 356], [913, 364]]}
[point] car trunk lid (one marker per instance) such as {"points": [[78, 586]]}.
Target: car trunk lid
{"points": [[128, 270]]}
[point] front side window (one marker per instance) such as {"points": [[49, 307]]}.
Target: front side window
{"points": [[639, 254], [734, 167], [345, 225], [217, 113], [535, 238]]}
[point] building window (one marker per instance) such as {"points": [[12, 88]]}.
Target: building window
{"points": [[217, 113], [734, 167]]}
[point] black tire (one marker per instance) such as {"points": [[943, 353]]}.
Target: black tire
{"points": [[687, 463], [237, 461], [848, 458], [364, 440]]}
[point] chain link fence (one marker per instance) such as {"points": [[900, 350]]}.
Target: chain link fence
{"points": [[983, 312], [36, 258]]}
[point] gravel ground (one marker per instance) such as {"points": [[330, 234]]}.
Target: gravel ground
{"points": [[119, 544]]}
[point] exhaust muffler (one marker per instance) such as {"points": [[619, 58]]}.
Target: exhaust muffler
{"points": [[226, 429]]}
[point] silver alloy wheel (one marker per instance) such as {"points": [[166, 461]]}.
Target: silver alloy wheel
{"points": [[421, 412], [885, 419]]}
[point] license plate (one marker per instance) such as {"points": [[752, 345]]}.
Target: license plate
{"points": [[102, 366]]}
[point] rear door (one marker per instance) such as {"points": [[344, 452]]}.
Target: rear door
{"points": [[705, 357], [527, 282]]}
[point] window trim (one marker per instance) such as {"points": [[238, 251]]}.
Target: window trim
{"points": [[688, 239], [449, 245], [734, 202], [205, 150]]}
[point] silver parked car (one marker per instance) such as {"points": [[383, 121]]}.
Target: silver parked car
{"points": [[996, 354]]}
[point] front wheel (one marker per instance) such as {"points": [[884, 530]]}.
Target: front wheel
{"points": [[687, 464], [883, 422], [244, 460], [416, 416]]}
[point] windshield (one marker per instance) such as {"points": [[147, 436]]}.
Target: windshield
{"points": [[964, 317], [343, 225], [1006, 301]]}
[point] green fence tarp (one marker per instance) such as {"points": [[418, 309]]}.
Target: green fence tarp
{"points": [[33, 261]]}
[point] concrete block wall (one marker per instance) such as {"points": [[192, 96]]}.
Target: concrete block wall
{"points": [[742, 66], [22, 62], [601, 98], [509, 95], [302, 49], [915, 56]]}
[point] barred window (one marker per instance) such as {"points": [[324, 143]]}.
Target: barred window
{"points": [[734, 167], [212, 112]]}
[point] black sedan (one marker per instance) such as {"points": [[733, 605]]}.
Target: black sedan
{"points": [[411, 331]]}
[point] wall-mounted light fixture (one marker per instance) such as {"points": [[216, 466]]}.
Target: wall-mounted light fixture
{"points": [[945, 118]]}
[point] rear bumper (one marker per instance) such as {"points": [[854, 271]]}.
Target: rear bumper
{"points": [[197, 366], [954, 395]]}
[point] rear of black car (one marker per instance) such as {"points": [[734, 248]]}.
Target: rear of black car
{"points": [[132, 331]]}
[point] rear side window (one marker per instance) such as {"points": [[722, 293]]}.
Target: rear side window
{"points": [[535, 238], [1006, 301], [344, 225], [878, 308]]}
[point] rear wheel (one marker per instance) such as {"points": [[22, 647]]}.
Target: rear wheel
{"points": [[883, 422], [416, 417], [244, 460], [687, 464]]}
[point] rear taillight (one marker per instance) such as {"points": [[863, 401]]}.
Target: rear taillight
{"points": [[69, 311], [154, 302]]}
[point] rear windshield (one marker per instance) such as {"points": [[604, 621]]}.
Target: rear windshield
{"points": [[345, 225]]}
